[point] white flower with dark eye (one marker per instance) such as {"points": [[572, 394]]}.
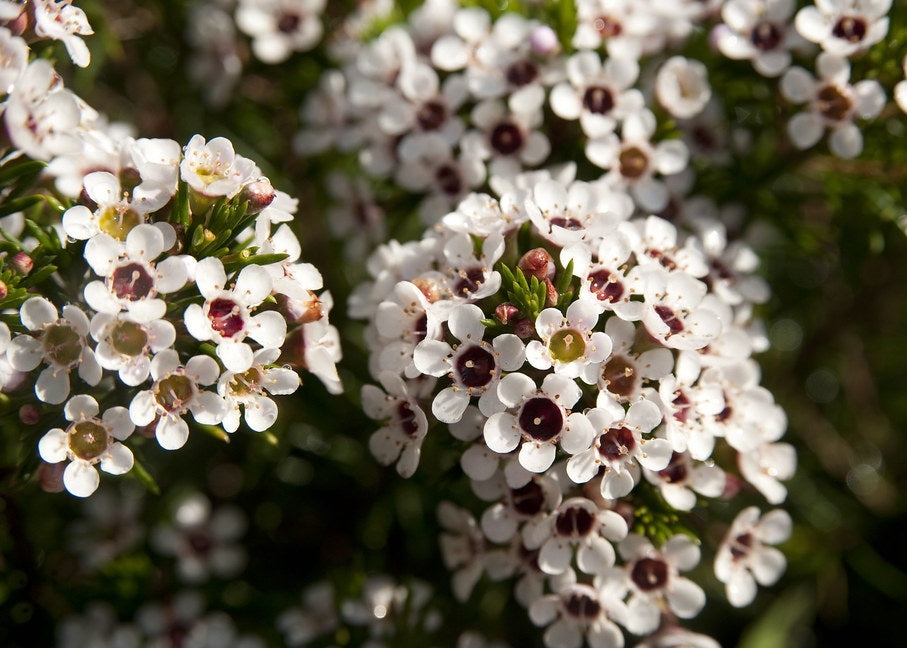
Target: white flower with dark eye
{"points": [[766, 466], [404, 421], [472, 276], [125, 345], [744, 557], [580, 610], [13, 61], [678, 481], [568, 342], [177, 390], [538, 417], [900, 89], [833, 104], [654, 581], [89, 440], [250, 388], [577, 523], [462, 548], [213, 169], [132, 277], [226, 316], [599, 95], [844, 27], [758, 30], [621, 377], [673, 314], [280, 27], [510, 139], [60, 342], [60, 20], [619, 447], [474, 365]]}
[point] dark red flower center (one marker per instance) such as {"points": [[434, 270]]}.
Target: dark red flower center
{"points": [[541, 419], [475, 367]]}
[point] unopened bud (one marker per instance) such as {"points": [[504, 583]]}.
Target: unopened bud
{"points": [[29, 414], [4, 291], [543, 41], [551, 297], [507, 313], [429, 287], [537, 263], [525, 328], [50, 476], [22, 263], [732, 486], [260, 194]]}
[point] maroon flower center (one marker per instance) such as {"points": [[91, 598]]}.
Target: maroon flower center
{"points": [[598, 99], [832, 103], [582, 606], [529, 499], [521, 72], [431, 115], [676, 471], [420, 327], [765, 36], [475, 367], [506, 138], [741, 545], [615, 445], [605, 285], [575, 522], [541, 419], [226, 317], [470, 281], [288, 22], [449, 180], [649, 574], [131, 281], [668, 316], [850, 28], [620, 376], [665, 260], [681, 405], [633, 162], [570, 223], [406, 419]]}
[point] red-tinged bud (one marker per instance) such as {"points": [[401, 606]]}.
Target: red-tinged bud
{"points": [[732, 486], [260, 194], [543, 41], [537, 263], [525, 328], [22, 263], [19, 24], [507, 313], [4, 291], [29, 414], [552, 296], [50, 476]]}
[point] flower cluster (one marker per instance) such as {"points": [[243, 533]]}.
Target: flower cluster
{"points": [[184, 291]]}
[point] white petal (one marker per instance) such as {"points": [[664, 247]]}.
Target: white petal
{"points": [[52, 385], [80, 479], [500, 432], [53, 445], [537, 457], [36, 312], [117, 460], [805, 129], [171, 432], [449, 405], [686, 598], [269, 329], [555, 556], [260, 413]]}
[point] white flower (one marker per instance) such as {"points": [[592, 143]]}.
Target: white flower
{"points": [[674, 314], [844, 27], [472, 276], [462, 548], [758, 30], [226, 316], [833, 104], [280, 27], [539, 419], [59, 342], [680, 478], [569, 342], [132, 278], [580, 610], [682, 86], [619, 447], [60, 20], [744, 559], [126, 345], [176, 391], [566, 213], [510, 139], [576, 523], [599, 94], [474, 366], [900, 89], [518, 505], [89, 440], [653, 579], [766, 466], [248, 389], [623, 374], [401, 437], [13, 59], [213, 169]]}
